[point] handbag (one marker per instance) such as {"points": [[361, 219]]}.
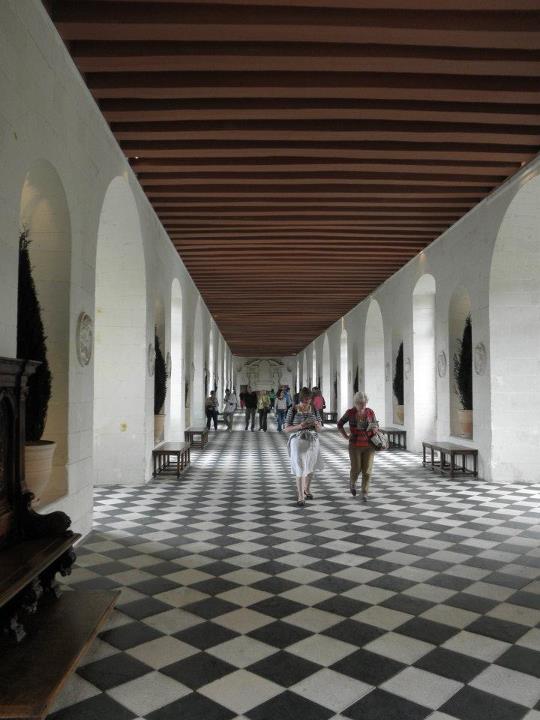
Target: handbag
{"points": [[379, 440]]}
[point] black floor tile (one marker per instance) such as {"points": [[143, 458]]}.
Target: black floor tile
{"points": [[353, 632], [368, 667], [521, 659], [380, 705], [341, 605], [130, 635], [145, 607], [284, 668], [472, 704], [277, 606], [114, 670], [210, 607], [451, 665], [498, 629], [426, 630], [205, 635], [198, 670], [98, 707], [280, 634], [191, 707], [289, 705]]}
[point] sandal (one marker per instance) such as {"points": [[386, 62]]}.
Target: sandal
{"points": [[300, 503], [308, 496]]}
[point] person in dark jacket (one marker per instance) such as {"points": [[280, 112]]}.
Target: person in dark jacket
{"points": [[250, 401]]}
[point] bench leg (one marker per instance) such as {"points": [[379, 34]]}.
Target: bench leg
{"points": [[452, 464], [424, 455]]}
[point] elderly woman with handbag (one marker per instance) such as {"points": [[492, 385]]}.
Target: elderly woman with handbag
{"points": [[364, 439], [303, 424]]}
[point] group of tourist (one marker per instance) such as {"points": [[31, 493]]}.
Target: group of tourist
{"points": [[302, 418]]}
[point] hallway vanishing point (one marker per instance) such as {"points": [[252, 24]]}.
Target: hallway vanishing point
{"points": [[235, 603]]}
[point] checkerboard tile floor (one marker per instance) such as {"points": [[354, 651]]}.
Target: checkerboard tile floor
{"points": [[424, 603]]}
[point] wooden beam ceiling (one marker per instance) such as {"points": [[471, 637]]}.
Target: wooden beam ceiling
{"points": [[309, 147]]}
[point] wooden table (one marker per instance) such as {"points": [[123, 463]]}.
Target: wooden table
{"points": [[447, 457], [397, 437], [196, 436], [329, 416], [171, 458]]}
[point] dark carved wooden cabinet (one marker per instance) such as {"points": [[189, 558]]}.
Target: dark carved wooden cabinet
{"points": [[42, 632]]}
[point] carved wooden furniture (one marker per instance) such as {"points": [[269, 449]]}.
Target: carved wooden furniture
{"points": [[171, 458], [196, 436], [42, 633], [448, 452], [396, 437]]}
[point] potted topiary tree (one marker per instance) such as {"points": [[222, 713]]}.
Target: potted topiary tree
{"points": [[464, 380], [38, 457], [398, 386], [160, 391]]}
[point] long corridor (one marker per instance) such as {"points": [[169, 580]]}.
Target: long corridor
{"points": [[424, 603]]}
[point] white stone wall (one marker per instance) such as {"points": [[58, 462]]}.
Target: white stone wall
{"points": [[462, 256], [47, 114]]}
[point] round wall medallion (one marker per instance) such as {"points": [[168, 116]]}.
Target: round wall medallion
{"points": [[151, 359], [441, 363], [480, 359], [85, 338], [407, 370]]}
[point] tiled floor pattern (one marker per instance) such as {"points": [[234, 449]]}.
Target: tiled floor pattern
{"points": [[235, 603]]}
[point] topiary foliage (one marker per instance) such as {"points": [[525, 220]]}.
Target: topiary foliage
{"points": [[160, 379], [355, 384], [463, 367], [31, 344], [398, 377]]}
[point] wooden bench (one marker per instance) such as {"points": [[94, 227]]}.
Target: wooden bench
{"points": [[196, 436], [329, 416], [396, 437], [447, 458], [171, 458]]}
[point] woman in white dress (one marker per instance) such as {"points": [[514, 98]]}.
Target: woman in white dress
{"points": [[303, 424]]}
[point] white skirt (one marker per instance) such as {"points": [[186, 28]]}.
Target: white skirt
{"points": [[305, 455]]}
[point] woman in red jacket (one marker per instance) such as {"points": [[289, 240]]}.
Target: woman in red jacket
{"points": [[362, 425]]}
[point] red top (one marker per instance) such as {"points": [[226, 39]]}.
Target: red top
{"points": [[359, 436]]}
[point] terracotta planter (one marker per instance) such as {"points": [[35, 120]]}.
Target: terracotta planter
{"points": [[465, 422], [400, 414], [159, 428], [38, 460]]}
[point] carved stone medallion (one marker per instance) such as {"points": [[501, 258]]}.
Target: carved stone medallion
{"points": [[442, 364], [480, 358], [84, 339], [407, 369]]}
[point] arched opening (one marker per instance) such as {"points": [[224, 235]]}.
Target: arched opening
{"points": [[343, 372], [159, 341], [375, 384], [514, 318], [424, 378], [122, 354], [176, 381], [210, 383], [314, 367], [461, 417], [326, 372], [44, 213], [197, 384]]}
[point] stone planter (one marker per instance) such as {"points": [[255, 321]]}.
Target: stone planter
{"points": [[159, 428], [465, 423], [38, 460], [400, 414]]}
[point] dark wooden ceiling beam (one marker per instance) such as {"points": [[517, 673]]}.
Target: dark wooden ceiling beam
{"points": [[85, 20]]}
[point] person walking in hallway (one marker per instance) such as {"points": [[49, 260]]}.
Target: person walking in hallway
{"points": [[211, 407], [250, 402], [362, 426], [303, 424], [281, 409], [229, 408], [318, 403], [263, 406]]}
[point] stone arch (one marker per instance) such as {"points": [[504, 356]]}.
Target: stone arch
{"points": [[176, 380], [343, 372], [45, 214], [424, 374], [514, 320], [123, 356], [374, 368], [458, 310], [326, 371], [197, 384]]}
